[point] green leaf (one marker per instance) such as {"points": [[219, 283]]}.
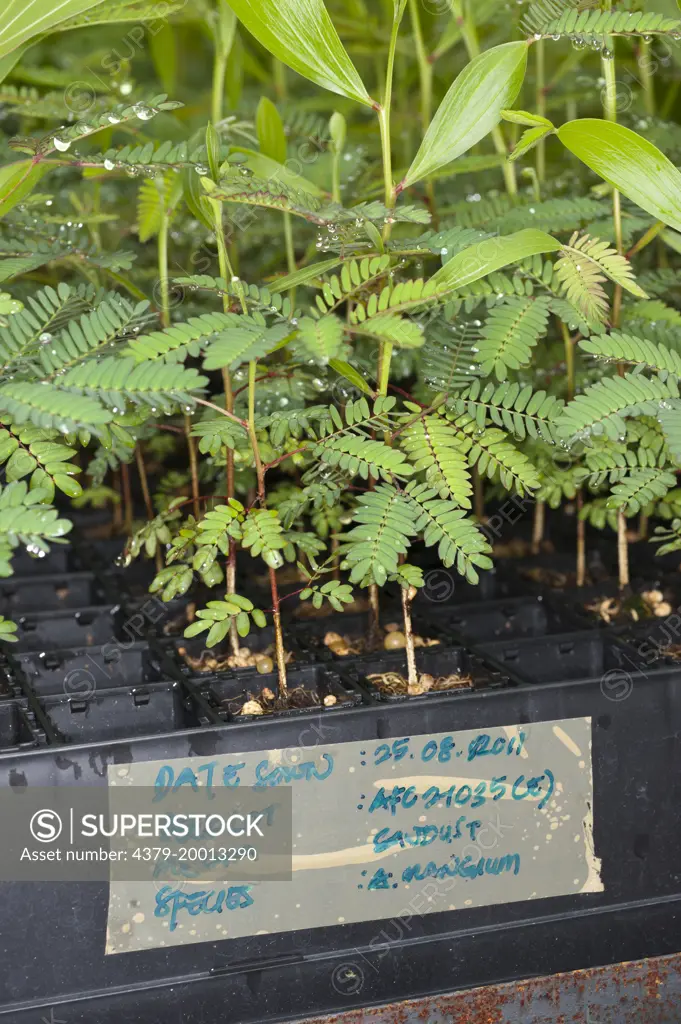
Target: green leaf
{"points": [[323, 339], [525, 118], [528, 140], [264, 166], [17, 180], [271, 137], [243, 344], [489, 255], [213, 150], [300, 33], [629, 163], [7, 630], [471, 108], [400, 331], [224, 28], [163, 49], [10, 61], [351, 374], [306, 274], [21, 20]]}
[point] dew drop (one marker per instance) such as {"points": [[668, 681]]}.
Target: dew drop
{"points": [[109, 165], [61, 144], [142, 112], [45, 338]]}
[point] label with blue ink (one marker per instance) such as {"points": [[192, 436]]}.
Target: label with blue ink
{"points": [[381, 829]]}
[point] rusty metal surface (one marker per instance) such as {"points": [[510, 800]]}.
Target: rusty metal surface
{"points": [[640, 992]]}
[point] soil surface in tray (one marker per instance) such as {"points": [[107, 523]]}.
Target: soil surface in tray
{"points": [[632, 607], [211, 662], [389, 639], [266, 701], [554, 578], [393, 683]]}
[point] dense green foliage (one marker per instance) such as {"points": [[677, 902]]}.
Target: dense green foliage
{"points": [[327, 324]]}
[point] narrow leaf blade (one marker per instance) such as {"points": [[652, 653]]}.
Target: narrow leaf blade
{"points": [[471, 108], [630, 163], [300, 33]]}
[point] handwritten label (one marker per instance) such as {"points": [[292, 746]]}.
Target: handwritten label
{"points": [[407, 825]]}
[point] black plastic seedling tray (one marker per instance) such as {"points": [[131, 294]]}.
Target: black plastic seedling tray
{"points": [[268, 977], [137, 714], [74, 627], [497, 620], [79, 670], [117, 713], [567, 657], [48, 592]]}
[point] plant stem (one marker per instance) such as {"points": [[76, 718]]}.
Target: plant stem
{"points": [[622, 550], [647, 78], [426, 89], [470, 38], [425, 66], [478, 496], [230, 573], [569, 361], [385, 357], [610, 113], [279, 75], [144, 483], [163, 270], [412, 674], [581, 542], [538, 527], [385, 349], [225, 266], [645, 239], [117, 521], [193, 465], [278, 635], [383, 112], [262, 496], [218, 88], [643, 526], [290, 252], [541, 106], [374, 613], [389, 190], [336, 195], [127, 497]]}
